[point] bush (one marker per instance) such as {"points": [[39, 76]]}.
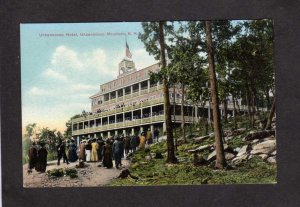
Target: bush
{"points": [[72, 173], [56, 173]]}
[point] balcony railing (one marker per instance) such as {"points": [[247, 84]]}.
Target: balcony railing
{"points": [[144, 91], [119, 110], [123, 124], [135, 94]]}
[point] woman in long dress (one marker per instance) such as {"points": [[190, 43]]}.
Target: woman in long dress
{"points": [[42, 159], [94, 157], [82, 150], [142, 141], [88, 148], [73, 151], [107, 151]]}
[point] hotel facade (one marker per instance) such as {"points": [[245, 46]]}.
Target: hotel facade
{"points": [[132, 104], [128, 105]]}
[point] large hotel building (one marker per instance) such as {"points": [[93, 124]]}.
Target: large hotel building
{"points": [[127, 105], [131, 104]]}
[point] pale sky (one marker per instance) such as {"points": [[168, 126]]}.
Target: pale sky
{"points": [[60, 73]]}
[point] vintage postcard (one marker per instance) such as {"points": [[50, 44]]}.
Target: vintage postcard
{"points": [[148, 103]]}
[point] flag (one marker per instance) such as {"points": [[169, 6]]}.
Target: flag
{"points": [[128, 53]]}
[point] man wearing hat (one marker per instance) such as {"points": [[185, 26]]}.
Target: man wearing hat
{"points": [[61, 152], [118, 151]]}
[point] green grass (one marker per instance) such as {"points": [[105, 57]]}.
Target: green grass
{"points": [[156, 172]]}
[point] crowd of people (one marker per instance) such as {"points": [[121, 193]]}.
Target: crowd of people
{"points": [[92, 150], [37, 157]]}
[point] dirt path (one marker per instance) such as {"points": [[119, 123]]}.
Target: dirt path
{"points": [[90, 176]]}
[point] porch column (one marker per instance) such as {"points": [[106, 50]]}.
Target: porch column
{"points": [[140, 88], [148, 81], [164, 127]]}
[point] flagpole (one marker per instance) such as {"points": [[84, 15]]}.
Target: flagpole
{"points": [[125, 44]]}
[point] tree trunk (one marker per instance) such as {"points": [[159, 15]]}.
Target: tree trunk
{"points": [[249, 106], [271, 114], [225, 109], [234, 113], [182, 113], [268, 100], [238, 106], [220, 158], [174, 116], [170, 141]]}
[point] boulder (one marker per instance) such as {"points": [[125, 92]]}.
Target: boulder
{"points": [[264, 147], [152, 154], [199, 139], [199, 149], [241, 158], [250, 157], [259, 135], [274, 152], [243, 150], [268, 138], [212, 156], [162, 138], [272, 159], [229, 156], [237, 149], [228, 138], [255, 141], [264, 156]]}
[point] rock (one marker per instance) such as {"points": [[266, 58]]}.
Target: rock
{"points": [[199, 139], [263, 156], [243, 150], [259, 135], [241, 158], [162, 138], [255, 141], [229, 156], [212, 156], [228, 138], [269, 138], [264, 147], [125, 174], [274, 152], [152, 154], [250, 157], [199, 149], [237, 149], [148, 157], [272, 159], [234, 132]]}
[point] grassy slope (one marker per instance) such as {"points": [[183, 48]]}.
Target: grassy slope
{"points": [[156, 172]]}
